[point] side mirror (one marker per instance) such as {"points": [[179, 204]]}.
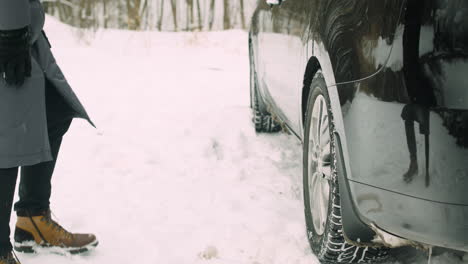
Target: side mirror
{"points": [[274, 2]]}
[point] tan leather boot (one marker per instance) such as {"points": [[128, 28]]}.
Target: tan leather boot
{"points": [[10, 258], [36, 233]]}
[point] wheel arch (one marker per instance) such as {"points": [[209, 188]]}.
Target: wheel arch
{"points": [[313, 65], [319, 62], [355, 230]]}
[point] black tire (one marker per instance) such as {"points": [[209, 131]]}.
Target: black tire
{"points": [[262, 119], [330, 246]]}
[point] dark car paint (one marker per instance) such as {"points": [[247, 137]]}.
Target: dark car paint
{"points": [[403, 101], [407, 113]]}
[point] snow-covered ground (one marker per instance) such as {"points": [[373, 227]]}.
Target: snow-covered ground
{"points": [[175, 173]]}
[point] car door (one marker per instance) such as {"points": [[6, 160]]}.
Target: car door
{"points": [[282, 37]]}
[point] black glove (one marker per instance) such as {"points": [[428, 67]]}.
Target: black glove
{"points": [[15, 56]]}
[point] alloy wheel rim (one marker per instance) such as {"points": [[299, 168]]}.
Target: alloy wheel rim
{"points": [[319, 157]]}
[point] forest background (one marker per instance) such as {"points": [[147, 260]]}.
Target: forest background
{"points": [[159, 15]]}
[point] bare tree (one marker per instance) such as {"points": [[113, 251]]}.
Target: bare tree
{"points": [[174, 13], [212, 14], [152, 14], [200, 21], [105, 13], [133, 15], [242, 13], [227, 18], [161, 16], [189, 14], [144, 14]]}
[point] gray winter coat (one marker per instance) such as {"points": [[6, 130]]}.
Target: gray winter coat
{"points": [[23, 128]]}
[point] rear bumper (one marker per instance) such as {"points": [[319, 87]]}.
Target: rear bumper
{"points": [[422, 221]]}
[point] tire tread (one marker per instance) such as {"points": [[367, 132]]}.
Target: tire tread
{"points": [[332, 247]]}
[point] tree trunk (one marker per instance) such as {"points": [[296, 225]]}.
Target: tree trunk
{"points": [[242, 13], [143, 14], [226, 18], [174, 13], [133, 11], [187, 15], [212, 14], [161, 16], [200, 21], [104, 11]]}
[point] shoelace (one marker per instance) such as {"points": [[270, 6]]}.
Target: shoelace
{"points": [[51, 222]]}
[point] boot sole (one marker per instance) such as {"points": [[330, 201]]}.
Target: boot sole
{"points": [[31, 247]]}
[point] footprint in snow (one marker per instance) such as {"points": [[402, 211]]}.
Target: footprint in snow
{"points": [[215, 149], [209, 253]]}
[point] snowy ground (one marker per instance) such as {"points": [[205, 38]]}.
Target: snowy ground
{"points": [[175, 174]]}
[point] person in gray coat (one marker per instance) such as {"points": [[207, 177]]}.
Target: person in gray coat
{"points": [[37, 106]]}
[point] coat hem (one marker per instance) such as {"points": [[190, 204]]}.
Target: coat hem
{"points": [[12, 161]]}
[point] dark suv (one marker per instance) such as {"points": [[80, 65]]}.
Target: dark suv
{"points": [[377, 91]]}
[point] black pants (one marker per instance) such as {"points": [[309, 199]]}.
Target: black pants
{"points": [[35, 181]]}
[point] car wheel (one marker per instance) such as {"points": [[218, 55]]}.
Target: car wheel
{"points": [[320, 184], [262, 119]]}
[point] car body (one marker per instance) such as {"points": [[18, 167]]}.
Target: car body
{"points": [[399, 97]]}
